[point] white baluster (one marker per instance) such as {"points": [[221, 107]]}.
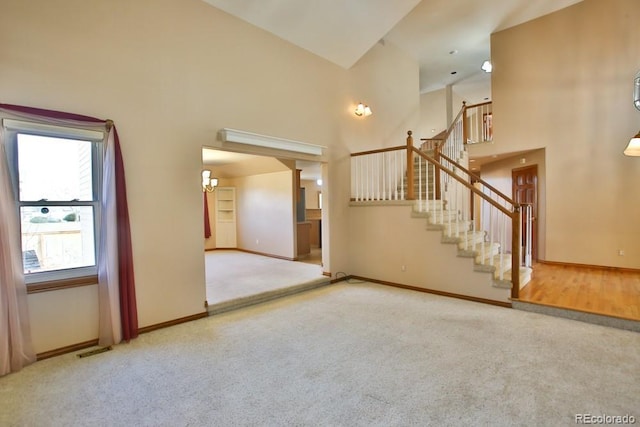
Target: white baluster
{"points": [[363, 180], [395, 175], [384, 176], [419, 180], [403, 176], [502, 244], [357, 185], [372, 177], [359, 169], [455, 209], [491, 208], [523, 235], [482, 248], [365, 177], [427, 185], [378, 171], [365, 172], [529, 234], [353, 179]]}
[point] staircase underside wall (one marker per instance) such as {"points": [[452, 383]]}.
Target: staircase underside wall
{"points": [[383, 239]]}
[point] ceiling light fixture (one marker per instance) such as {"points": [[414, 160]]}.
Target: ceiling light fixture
{"points": [[633, 148], [487, 67], [208, 184], [363, 110]]}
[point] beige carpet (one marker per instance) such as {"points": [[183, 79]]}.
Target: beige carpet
{"points": [[233, 275], [341, 355]]}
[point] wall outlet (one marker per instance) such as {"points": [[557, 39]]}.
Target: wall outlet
{"points": [[403, 268], [621, 252], [257, 242]]}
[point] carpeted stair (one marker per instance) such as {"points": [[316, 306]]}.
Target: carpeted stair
{"points": [[471, 244]]}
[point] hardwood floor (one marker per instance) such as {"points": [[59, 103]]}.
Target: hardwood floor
{"points": [[607, 291]]}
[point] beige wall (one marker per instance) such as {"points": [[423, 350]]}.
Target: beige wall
{"points": [[498, 174], [171, 73], [63, 317], [311, 193], [386, 238], [265, 213], [388, 81], [433, 112], [564, 82], [231, 176]]}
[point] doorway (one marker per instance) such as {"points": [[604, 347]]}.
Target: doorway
{"points": [[525, 192], [309, 212], [256, 264]]}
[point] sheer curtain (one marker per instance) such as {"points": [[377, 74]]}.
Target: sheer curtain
{"points": [[116, 284], [15, 333], [109, 296]]}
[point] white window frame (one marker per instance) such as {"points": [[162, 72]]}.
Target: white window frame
{"points": [[12, 129]]}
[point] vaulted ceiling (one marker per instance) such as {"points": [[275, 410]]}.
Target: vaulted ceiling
{"points": [[444, 36], [448, 38]]}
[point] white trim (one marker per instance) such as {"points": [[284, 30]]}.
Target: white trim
{"points": [[52, 130], [242, 137], [95, 138]]}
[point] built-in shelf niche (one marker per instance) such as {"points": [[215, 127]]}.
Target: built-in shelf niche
{"points": [[226, 217]]}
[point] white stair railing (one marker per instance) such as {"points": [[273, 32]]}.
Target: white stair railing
{"points": [[379, 175], [478, 120], [473, 213], [526, 236], [454, 143], [476, 216]]}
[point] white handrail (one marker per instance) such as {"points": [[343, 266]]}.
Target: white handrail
{"points": [[479, 123], [378, 176]]}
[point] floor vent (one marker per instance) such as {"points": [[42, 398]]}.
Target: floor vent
{"points": [[94, 352]]}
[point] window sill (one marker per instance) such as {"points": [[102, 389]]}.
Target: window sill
{"points": [[54, 285]]}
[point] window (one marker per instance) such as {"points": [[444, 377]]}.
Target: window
{"points": [[56, 175]]}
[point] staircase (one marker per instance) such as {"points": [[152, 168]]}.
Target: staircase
{"points": [[482, 222], [423, 176], [488, 256]]}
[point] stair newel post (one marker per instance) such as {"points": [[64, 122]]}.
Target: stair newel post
{"points": [[515, 251], [472, 207], [437, 178], [410, 177]]}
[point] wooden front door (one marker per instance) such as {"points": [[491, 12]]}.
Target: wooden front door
{"points": [[525, 191]]}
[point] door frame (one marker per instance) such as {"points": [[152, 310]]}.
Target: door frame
{"points": [[534, 225]]}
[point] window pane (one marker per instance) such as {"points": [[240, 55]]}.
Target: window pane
{"points": [[57, 237], [54, 169]]}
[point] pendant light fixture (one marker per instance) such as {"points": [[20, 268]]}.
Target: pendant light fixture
{"points": [[633, 148]]}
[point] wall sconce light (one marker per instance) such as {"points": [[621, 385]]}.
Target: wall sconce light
{"points": [[208, 184], [363, 110], [487, 67], [633, 148]]}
